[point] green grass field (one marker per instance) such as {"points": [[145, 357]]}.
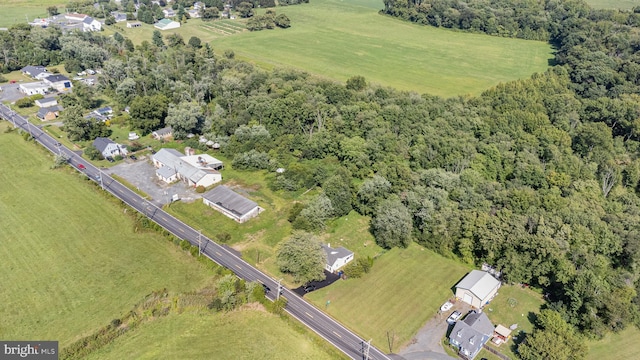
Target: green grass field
{"points": [[70, 259], [245, 334], [513, 305], [613, 4], [404, 289], [339, 39], [623, 345], [17, 11]]}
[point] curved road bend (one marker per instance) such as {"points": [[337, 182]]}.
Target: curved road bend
{"points": [[332, 331]]}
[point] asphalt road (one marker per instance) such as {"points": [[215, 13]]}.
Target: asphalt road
{"points": [[332, 331]]}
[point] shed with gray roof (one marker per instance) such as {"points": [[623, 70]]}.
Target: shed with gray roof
{"points": [[231, 204]]}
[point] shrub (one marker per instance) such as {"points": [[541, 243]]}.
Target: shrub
{"points": [[223, 237], [24, 102], [3, 79], [117, 157], [200, 189], [358, 267], [35, 97]]}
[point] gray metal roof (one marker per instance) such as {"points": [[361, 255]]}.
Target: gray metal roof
{"points": [[472, 332], [88, 20], [164, 131], [101, 143], [33, 71], [45, 110], [230, 200], [166, 172], [168, 157], [334, 254], [480, 283]]}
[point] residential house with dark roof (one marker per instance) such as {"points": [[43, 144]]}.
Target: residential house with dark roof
{"points": [[470, 334], [231, 204], [109, 148], [477, 288], [336, 258], [48, 113], [36, 72], [58, 82], [119, 16], [91, 24]]}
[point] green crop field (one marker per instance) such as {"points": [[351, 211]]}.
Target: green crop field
{"points": [[245, 334], [339, 39], [404, 289], [71, 261], [613, 4], [17, 11]]}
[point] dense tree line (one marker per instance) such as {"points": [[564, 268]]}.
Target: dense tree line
{"points": [[538, 177]]}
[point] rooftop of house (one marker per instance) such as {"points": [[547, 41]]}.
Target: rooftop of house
{"points": [[101, 143], [333, 254], [56, 78]]}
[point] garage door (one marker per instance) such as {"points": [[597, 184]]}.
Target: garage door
{"points": [[467, 298]]}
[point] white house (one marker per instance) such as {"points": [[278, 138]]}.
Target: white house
{"points": [[134, 24], [58, 82], [168, 13], [36, 72], [470, 334], [34, 88], [336, 258], [166, 24], [172, 166], [477, 288], [46, 102], [91, 24], [108, 148], [231, 204]]}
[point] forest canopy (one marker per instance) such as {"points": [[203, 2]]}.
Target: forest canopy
{"points": [[538, 177]]}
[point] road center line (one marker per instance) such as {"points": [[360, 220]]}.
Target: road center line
{"points": [[309, 315]]}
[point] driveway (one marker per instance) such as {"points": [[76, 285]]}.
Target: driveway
{"points": [[10, 93], [142, 175], [427, 343]]}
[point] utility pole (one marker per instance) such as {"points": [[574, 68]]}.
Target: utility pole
{"points": [[278, 291], [366, 351]]}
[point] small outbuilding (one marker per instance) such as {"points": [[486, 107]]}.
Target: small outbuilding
{"points": [[477, 288], [501, 334], [231, 204]]}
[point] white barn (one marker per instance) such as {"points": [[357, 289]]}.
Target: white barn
{"points": [[477, 288]]}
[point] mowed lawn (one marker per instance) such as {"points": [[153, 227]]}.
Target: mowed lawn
{"points": [[404, 289], [623, 345], [70, 259], [613, 4], [17, 11], [339, 39], [245, 334]]}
